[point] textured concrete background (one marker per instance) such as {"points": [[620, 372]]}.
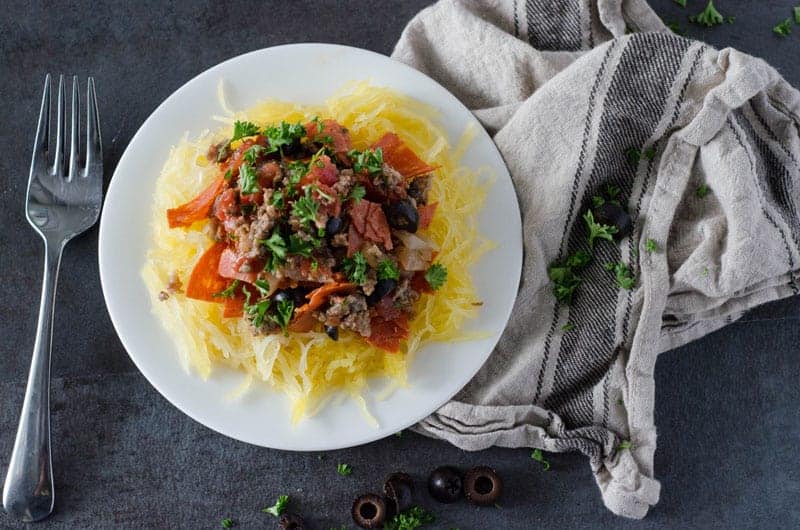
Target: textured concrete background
{"points": [[727, 406]]}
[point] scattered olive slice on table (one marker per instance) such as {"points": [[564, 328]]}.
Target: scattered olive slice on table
{"points": [[382, 288], [445, 484], [482, 486], [292, 521], [615, 215], [399, 490], [369, 511], [402, 215]]}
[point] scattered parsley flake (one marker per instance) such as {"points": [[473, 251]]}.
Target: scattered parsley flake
{"points": [[263, 287], [598, 230], [436, 275], [257, 311], [702, 191], [229, 291], [279, 507], [784, 28], [650, 245], [357, 193], [623, 273], [248, 180], [277, 199], [797, 14], [283, 314], [681, 3], [302, 247], [229, 174], [539, 457], [410, 519], [283, 134], [243, 128], [625, 444], [708, 17], [579, 259], [569, 326], [305, 208], [227, 523], [344, 470], [368, 159], [598, 201], [387, 270], [297, 170], [253, 153], [277, 247], [355, 268], [564, 282]]}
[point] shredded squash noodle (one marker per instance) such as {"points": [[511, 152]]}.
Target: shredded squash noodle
{"points": [[308, 367]]}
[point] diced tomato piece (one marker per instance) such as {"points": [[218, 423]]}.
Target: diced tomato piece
{"points": [[420, 284], [322, 170], [256, 198], [198, 208], [229, 264], [426, 214], [226, 206], [387, 334], [333, 131], [205, 280], [267, 172], [398, 155], [370, 222]]}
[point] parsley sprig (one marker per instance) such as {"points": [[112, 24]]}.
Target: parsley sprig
{"points": [[305, 208], [258, 311], [284, 134], [248, 179], [708, 17], [344, 470], [410, 519], [229, 291], [283, 314], [436, 275], [244, 128], [387, 270], [598, 230], [279, 507], [539, 457], [623, 273], [277, 248], [784, 28], [370, 160], [355, 268], [357, 193]]}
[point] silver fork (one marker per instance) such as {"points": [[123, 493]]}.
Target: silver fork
{"points": [[63, 201]]}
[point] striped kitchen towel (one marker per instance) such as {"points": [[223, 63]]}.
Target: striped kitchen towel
{"points": [[594, 103]]}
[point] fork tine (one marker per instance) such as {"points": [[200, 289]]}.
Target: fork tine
{"points": [[42, 141], [61, 125], [73, 129], [94, 148]]}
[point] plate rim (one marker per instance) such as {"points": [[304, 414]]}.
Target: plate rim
{"points": [[127, 342]]}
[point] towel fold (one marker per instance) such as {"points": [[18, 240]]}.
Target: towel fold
{"points": [[590, 102]]}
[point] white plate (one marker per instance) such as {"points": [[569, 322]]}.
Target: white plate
{"points": [[305, 73]]}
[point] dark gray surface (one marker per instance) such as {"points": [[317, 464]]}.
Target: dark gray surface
{"points": [[727, 406]]}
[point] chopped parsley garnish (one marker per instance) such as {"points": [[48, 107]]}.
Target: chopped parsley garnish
{"points": [[283, 314], [708, 17], [302, 247], [579, 259], [253, 153], [410, 519], [244, 128], [635, 155], [277, 247], [279, 507], [227, 523], [256, 311], [305, 208], [344, 470], [229, 291], [436, 275], [625, 444], [565, 281], [368, 159], [797, 14], [612, 192], [284, 134], [263, 287], [229, 174], [539, 457], [248, 180], [357, 193], [355, 268], [650, 245], [623, 273], [598, 230], [681, 3], [569, 326], [297, 170], [224, 151], [784, 28], [387, 270], [598, 201], [277, 199], [702, 191]]}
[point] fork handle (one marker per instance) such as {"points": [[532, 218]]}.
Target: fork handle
{"points": [[28, 492]]}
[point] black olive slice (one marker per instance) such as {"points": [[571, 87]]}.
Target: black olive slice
{"points": [[369, 511], [482, 486], [332, 332], [445, 484], [292, 521], [402, 215], [382, 288], [614, 215], [333, 226], [399, 489]]}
